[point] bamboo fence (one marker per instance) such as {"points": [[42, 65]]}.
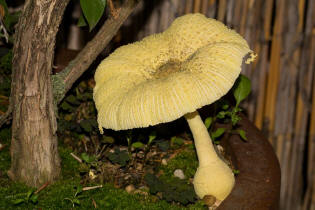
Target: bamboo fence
{"points": [[282, 103]]}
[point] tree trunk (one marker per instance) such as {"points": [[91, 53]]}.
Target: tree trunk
{"points": [[34, 152]]}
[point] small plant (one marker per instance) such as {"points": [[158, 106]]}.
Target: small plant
{"points": [[152, 136], [177, 141], [138, 145], [236, 172], [77, 112], [241, 90], [75, 199], [89, 164], [29, 197], [120, 157]]}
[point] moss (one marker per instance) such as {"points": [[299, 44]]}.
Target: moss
{"points": [[58, 87], [53, 196], [185, 160], [69, 166]]}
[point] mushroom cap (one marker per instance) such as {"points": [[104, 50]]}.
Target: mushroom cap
{"points": [[164, 76]]}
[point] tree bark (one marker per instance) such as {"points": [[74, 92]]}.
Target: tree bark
{"points": [[63, 81], [34, 155]]}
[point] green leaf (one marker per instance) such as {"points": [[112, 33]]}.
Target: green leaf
{"points": [[177, 140], [34, 199], [137, 145], [242, 89], [152, 136], [93, 11], [217, 133], [66, 106], [18, 201], [79, 190], [221, 115], [216, 142], [81, 21], [93, 122], [225, 106], [84, 168], [208, 122], [87, 158], [85, 96], [235, 119], [163, 145], [29, 194], [242, 134], [108, 140], [119, 157], [72, 100], [76, 201], [236, 171], [86, 125]]}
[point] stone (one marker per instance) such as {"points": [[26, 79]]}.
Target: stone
{"points": [[179, 173]]}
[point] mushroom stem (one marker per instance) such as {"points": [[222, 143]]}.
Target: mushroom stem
{"points": [[204, 147], [213, 177]]}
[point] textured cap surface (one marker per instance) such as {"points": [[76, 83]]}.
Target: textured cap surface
{"points": [[159, 79]]}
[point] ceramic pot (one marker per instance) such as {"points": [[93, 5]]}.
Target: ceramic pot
{"points": [[257, 185]]}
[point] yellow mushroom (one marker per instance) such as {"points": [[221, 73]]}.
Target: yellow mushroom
{"points": [[169, 75]]}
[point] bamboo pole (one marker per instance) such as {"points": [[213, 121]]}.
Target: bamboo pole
{"points": [[222, 10], [274, 71], [305, 83], [188, 6], [237, 15], [286, 99], [267, 22], [204, 7], [244, 17], [309, 199], [153, 21], [211, 8], [252, 35], [263, 65], [165, 15], [229, 13], [197, 4]]}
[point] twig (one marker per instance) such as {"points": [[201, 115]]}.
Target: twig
{"points": [[113, 11], [4, 30], [64, 80], [42, 187], [76, 157], [91, 188], [4, 97], [94, 203]]}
